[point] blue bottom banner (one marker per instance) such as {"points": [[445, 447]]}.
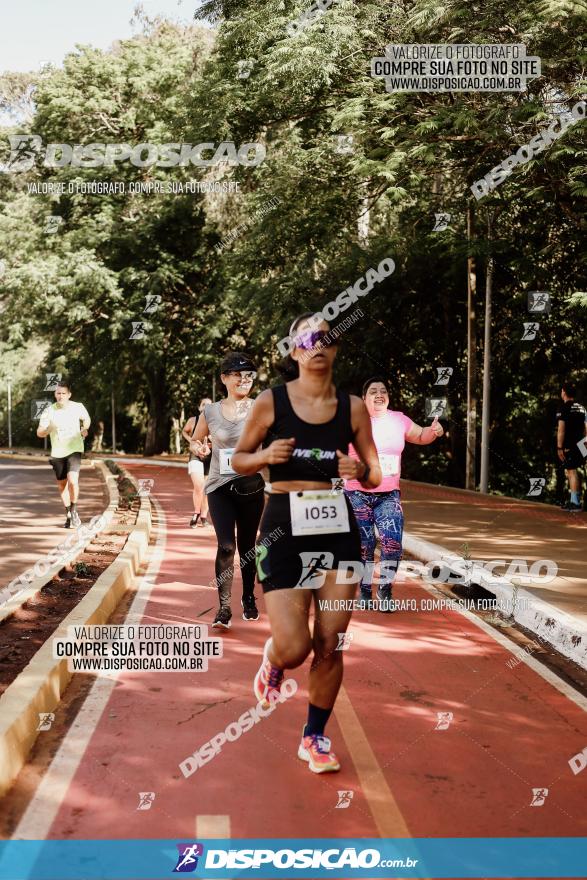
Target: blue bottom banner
{"points": [[532, 857]]}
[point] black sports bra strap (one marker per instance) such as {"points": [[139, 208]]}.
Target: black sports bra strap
{"points": [[195, 425], [344, 406], [281, 404]]}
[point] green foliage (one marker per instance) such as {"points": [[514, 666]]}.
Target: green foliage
{"points": [[337, 213]]}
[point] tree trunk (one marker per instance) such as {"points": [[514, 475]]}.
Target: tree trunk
{"points": [[471, 354], [363, 222], [158, 425], [176, 434]]}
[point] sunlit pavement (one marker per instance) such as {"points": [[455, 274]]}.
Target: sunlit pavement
{"points": [[494, 527], [32, 515]]}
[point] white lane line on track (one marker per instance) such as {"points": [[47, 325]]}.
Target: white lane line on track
{"points": [[562, 686], [213, 827], [36, 822]]}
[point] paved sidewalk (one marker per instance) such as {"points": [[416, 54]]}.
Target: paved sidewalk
{"points": [[32, 515], [496, 527]]}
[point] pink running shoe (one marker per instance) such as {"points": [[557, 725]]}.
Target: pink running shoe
{"points": [[315, 749], [267, 684]]}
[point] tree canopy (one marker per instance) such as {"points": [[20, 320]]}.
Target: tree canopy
{"points": [[352, 175]]}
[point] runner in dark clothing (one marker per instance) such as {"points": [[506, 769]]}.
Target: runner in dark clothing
{"points": [[571, 430], [302, 432]]}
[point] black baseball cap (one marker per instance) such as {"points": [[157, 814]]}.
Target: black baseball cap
{"points": [[237, 360]]}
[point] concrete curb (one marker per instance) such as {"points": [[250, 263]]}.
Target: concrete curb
{"points": [[11, 601], [91, 457], [559, 629], [39, 687], [24, 456]]}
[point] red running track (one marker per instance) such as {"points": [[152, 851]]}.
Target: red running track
{"points": [[512, 731]]}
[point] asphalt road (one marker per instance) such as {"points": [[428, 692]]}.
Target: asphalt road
{"points": [[32, 515]]}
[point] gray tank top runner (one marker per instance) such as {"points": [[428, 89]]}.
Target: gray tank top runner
{"points": [[225, 436]]}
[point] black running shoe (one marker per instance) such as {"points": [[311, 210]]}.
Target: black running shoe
{"points": [[75, 519], [573, 508], [385, 600], [67, 523], [194, 520], [222, 619], [250, 610], [203, 522]]}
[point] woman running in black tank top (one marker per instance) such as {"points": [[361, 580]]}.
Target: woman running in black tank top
{"points": [[305, 429]]}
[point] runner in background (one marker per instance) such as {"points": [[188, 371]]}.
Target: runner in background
{"points": [[66, 423], [198, 466], [571, 429], [305, 428], [98, 438], [381, 506], [235, 502]]}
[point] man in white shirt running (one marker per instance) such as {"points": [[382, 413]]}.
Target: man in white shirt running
{"points": [[66, 423]]}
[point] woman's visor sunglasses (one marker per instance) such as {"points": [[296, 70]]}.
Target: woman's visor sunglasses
{"points": [[244, 375], [309, 339]]}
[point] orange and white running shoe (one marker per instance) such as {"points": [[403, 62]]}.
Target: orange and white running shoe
{"points": [[315, 749], [267, 684]]}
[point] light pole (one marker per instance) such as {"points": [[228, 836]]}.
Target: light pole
{"points": [[484, 485], [9, 387], [485, 416], [470, 464]]}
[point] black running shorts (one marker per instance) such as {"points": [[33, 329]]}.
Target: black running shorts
{"points": [[573, 459], [285, 561], [63, 466]]}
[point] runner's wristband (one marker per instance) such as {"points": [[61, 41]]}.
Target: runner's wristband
{"points": [[366, 474]]}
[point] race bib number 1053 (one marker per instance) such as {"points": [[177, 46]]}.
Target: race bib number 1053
{"points": [[318, 512]]}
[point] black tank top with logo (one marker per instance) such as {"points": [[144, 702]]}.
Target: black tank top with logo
{"points": [[314, 456]]}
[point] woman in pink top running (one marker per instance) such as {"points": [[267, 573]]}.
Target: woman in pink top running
{"points": [[381, 506]]}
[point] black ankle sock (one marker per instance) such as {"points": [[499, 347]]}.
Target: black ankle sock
{"points": [[317, 719], [68, 509], [73, 507]]}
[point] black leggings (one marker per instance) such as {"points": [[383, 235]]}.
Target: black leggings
{"points": [[236, 505]]}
